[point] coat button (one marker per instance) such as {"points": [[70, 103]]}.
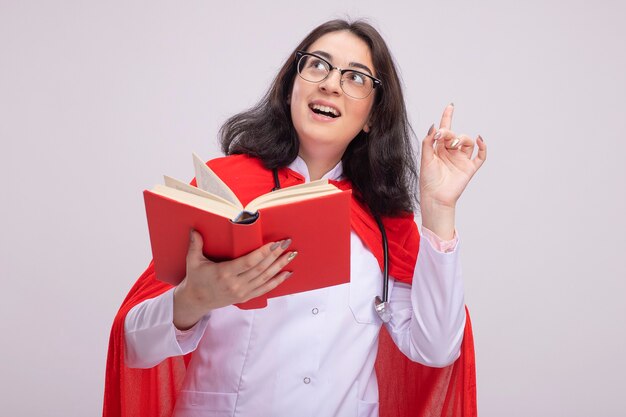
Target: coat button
{"points": [[307, 380]]}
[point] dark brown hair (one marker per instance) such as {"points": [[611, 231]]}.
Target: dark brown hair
{"points": [[380, 164]]}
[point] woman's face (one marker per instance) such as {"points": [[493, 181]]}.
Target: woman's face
{"points": [[323, 136]]}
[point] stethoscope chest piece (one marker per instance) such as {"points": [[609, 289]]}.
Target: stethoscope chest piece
{"points": [[382, 308]]}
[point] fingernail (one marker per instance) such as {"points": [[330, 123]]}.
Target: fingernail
{"points": [[288, 274], [432, 127], [275, 245], [455, 143], [437, 135], [480, 138], [452, 104], [191, 235], [285, 243], [291, 256]]}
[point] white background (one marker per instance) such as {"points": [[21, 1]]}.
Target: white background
{"points": [[99, 99]]}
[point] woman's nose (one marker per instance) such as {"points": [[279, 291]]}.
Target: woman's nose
{"points": [[332, 83]]}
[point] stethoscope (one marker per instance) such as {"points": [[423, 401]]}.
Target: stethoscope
{"points": [[381, 305]]}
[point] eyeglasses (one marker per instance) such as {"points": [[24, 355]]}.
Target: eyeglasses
{"points": [[316, 69]]}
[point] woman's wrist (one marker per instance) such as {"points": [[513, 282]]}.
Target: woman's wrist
{"points": [[187, 309], [438, 218]]}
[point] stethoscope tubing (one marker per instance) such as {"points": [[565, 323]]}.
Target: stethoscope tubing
{"points": [[385, 259]]}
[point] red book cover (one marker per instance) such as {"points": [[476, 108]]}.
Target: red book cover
{"points": [[319, 228]]}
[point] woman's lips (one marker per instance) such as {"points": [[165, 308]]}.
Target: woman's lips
{"points": [[322, 117], [324, 111], [328, 109]]}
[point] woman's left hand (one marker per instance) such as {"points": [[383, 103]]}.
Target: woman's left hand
{"points": [[446, 168]]}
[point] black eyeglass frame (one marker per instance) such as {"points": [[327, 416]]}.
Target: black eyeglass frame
{"points": [[300, 54]]}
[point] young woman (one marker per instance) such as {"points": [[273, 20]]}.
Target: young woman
{"points": [[334, 111]]}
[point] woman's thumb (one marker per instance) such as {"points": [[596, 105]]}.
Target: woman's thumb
{"points": [[195, 244]]}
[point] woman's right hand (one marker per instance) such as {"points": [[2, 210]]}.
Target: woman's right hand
{"points": [[210, 285]]}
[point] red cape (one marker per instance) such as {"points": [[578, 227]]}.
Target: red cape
{"points": [[406, 388]]}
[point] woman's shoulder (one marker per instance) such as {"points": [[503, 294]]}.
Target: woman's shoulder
{"points": [[245, 175], [241, 167], [236, 162], [238, 167]]}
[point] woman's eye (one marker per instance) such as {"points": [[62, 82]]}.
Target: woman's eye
{"points": [[317, 64], [355, 77]]}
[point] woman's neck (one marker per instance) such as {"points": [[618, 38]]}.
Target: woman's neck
{"points": [[320, 162], [318, 167]]}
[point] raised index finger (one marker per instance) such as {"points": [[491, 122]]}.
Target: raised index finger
{"points": [[446, 118]]}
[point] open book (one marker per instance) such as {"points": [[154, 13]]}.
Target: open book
{"points": [[315, 215]]}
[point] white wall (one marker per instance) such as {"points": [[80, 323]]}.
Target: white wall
{"points": [[99, 99]]}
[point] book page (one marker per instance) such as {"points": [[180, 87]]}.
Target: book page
{"points": [[209, 181], [292, 198], [183, 186], [290, 194], [212, 206]]}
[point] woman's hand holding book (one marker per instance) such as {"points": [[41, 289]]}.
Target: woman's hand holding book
{"points": [[209, 285]]}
